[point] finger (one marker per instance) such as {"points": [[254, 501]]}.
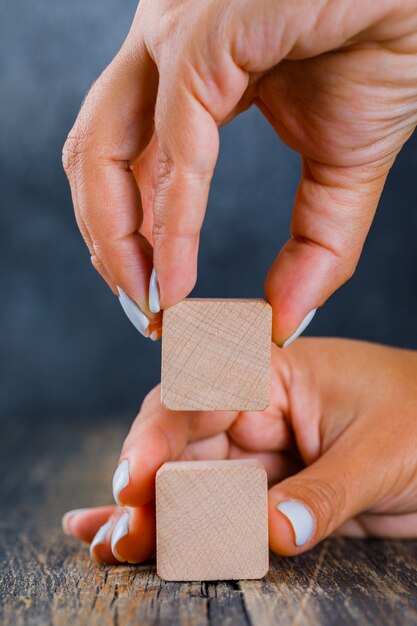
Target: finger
{"points": [[269, 429], [99, 267], [113, 128], [214, 449], [309, 506], [100, 547], [188, 143], [84, 523], [145, 172], [134, 534], [350, 528], [333, 211], [261, 431], [277, 465], [159, 435], [377, 525]]}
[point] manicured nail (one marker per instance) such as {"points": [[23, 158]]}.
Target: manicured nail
{"points": [[301, 328], [300, 519], [154, 304], [121, 479], [67, 517], [133, 312], [100, 537], [154, 336], [120, 530]]}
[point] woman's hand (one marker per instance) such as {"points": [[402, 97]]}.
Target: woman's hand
{"points": [[337, 80], [339, 438]]}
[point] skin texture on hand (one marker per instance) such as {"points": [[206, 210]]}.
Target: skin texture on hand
{"points": [[337, 442], [337, 81]]}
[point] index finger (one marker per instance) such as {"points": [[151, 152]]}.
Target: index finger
{"points": [[114, 127]]}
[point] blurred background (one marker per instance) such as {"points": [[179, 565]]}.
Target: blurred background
{"points": [[66, 348]]}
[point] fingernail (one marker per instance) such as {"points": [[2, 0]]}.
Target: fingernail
{"points": [[300, 519], [120, 530], [100, 537], [121, 479], [301, 328], [154, 304], [154, 336], [133, 312], [67, 517]]}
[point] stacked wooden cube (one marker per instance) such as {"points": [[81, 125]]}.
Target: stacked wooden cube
{"points": [[212, 515]]}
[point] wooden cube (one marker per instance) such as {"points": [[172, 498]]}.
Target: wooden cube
{"points": [[212, 520], [216, 355]]}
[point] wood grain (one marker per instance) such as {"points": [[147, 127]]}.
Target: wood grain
{"points": [[212, 520], [216, 355], [47, 579]]}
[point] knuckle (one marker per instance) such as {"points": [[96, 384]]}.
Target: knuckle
{"points": [[165, 171], [79, 139], [162, 35], [97, 264], [167, 25], [74, 149], [329, 499], [170, 225], [164, 179], [350, 270], [159, 229], [346, 260]]}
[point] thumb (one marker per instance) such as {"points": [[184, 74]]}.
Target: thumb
{"points": [[333, 212], [309, 506]]}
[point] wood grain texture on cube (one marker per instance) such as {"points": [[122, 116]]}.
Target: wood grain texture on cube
{"points": [[212, 520], [216, 355]]}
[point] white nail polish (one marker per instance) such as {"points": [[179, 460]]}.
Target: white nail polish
{"points": [[100, 536], [154, 304], [66, 518], [300, 518], [154, 336], [120, 530], [133, 312], [301, 328], [121, 479]]}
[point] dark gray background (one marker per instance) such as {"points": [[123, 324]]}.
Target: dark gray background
{"points": [[66, 348]]}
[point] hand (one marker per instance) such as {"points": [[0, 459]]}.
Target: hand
{"points": [[336, 80], [339, 438]]}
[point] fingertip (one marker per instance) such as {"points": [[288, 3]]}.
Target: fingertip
{"points": [[99, 267], [175, 258], [291, 526], [301, 328], [100, 549], [156, 436], [133, 312], [68, 519], [134, 535], [154, 298], [84, 523], [134, 478], [120, 530], [296, 285], [121, 479]]}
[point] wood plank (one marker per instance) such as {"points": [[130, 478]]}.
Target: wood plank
{"points": [[47, 578]]}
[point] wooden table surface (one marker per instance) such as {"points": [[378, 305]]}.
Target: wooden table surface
{"points": [[47, 578]]}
